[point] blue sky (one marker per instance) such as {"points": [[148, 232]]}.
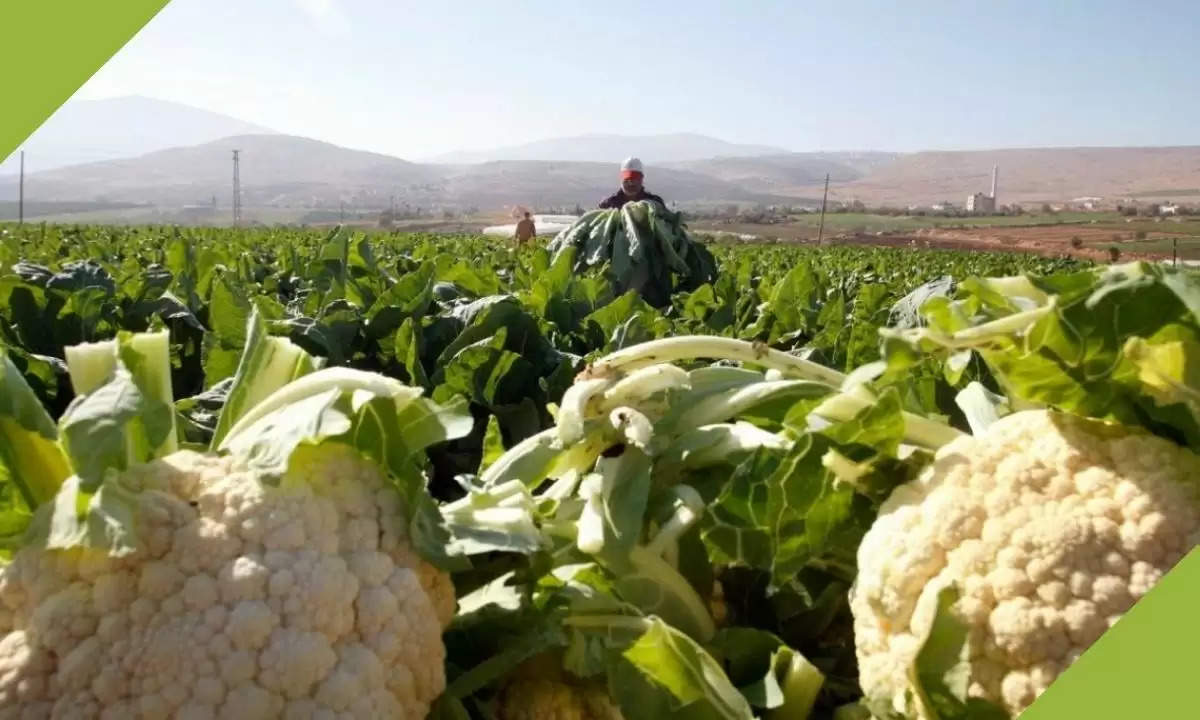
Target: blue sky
{"points": [[416, 79]]}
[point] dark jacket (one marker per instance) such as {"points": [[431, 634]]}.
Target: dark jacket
{"points": [[619, 198]]}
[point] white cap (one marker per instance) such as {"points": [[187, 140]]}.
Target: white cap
{"points": [[631, 163]]}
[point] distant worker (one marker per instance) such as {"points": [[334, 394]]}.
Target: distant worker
{"points": [[631, 187], [526, 231]]}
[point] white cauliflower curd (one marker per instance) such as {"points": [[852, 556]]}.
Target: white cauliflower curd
{"points": [[1049, 526], [243, 600]]}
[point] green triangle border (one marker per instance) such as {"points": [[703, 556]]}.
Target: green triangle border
{"points": [[51, 48]]}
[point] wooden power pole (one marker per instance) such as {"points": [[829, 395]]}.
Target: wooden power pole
{"points": [[821, 227]]}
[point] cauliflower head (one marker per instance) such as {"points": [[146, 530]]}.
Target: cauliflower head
{"points": [[243, 600], [539, 689], [531, 698], [1050, 526]]}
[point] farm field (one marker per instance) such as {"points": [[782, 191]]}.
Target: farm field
{"points": [[1137, 238], [805, 226], [663, 503], [326, 289]]}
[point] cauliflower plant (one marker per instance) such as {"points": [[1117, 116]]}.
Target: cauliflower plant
{"points": [[1050, 527], [539, 689], [244, 600], [545, 699]]}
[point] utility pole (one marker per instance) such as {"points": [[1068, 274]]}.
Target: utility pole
{"points": [[237, 191], [825, 197], [21, 193]]}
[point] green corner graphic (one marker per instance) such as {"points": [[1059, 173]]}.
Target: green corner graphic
{"points": [[1143, 667], [50, 48]]}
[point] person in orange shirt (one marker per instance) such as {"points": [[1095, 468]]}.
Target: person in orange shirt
{"points": [[526, 232]]}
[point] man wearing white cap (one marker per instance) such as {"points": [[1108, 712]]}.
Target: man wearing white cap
{"points": [[631, 187]]}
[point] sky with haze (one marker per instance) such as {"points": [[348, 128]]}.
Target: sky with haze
{"points": [[417, 79]]}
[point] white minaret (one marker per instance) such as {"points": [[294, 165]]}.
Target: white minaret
{"points": [[994, 167]]}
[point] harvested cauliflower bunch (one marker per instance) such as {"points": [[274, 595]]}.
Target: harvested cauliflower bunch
{"points": [[1050, 527], [243, 600]]}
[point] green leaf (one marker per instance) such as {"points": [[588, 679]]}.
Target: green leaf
{"points": [[228, 318], [493, 444], [408, 354], [267, 364], [942, 668], [768, 673], [680, 668], [736, 524], [31, 461], [409, 298], [103, 517], [127, 420], [622, 490], [1060, 341], [655, 587]]}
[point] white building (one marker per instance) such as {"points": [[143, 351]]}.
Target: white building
{"points": [[981, 203]]}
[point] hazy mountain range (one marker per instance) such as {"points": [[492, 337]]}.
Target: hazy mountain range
{"points": [[659, 149], [91, 130], [139, 150]]}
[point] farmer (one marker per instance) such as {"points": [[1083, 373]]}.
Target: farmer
{"points": [[631, 187], [525, 231]]}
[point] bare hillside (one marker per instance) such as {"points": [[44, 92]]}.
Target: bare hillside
{"points": [[1035, 175]]}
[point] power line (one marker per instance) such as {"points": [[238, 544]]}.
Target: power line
{"points": [[237, 191]]}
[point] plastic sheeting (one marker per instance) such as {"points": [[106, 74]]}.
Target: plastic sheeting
{"points": [[548, 225]]}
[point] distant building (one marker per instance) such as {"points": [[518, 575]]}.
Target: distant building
{"points": [[1168, 209], [980, 203]]}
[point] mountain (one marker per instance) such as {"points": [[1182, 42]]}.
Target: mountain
{"points": [[544, 184], [289, 171], [612, 149], [782, 174], [273, 169], [84, 131], [284, 171], [1028, 175]]}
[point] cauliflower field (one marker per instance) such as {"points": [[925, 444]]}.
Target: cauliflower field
{"points": [[297, 473]]}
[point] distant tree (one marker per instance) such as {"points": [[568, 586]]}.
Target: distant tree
{"points": [[1150, 210], [1076, 242], [1046, 209], [1114, 254], [1140, 235]]}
